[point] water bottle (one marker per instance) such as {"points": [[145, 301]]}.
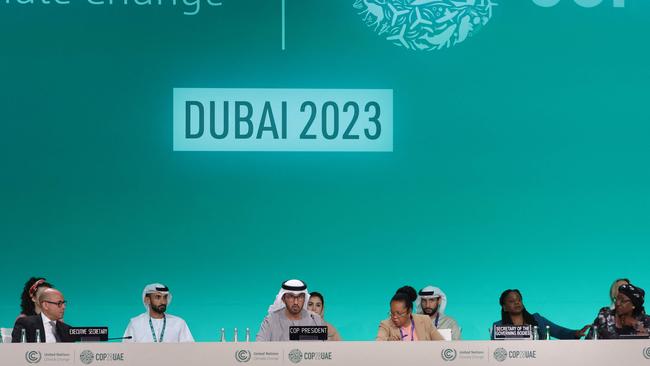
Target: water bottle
{"points": [[248, 334], [38, 336], [23, 336], [235, 336], [535, 334], [548, 333], [223, 334], [595, 330]]}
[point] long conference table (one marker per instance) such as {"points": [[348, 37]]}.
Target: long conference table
{"points": [[551, 353]]}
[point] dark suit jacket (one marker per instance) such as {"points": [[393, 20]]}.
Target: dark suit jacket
{"points": [[31, 323]]}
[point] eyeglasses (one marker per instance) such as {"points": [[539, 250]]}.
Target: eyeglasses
{"points": [[396, 314], [58, 303]]}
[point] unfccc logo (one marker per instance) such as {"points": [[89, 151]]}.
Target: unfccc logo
{"points": [[583, 3], [448, 354], [33, 356], [242, 355], [425, 25], [646, 353]]}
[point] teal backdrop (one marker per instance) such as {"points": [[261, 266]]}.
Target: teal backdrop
{"points": [[520, 160]]}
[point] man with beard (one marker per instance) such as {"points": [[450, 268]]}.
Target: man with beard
{"points": [[432, 301], [288, 310], [154, 326]]}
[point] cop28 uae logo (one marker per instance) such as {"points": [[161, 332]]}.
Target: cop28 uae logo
{"points": [[295, 356], [425, 25], [86, 357], [500, 354]]}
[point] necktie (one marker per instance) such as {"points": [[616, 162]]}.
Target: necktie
{"points": [[56, 335]]}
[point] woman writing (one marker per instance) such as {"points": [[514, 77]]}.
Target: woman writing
{"points": [[402, 324]]}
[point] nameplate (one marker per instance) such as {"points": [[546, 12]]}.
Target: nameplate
{"points": [[633, 336], [308, 333], [511, 332], [88, 334]]}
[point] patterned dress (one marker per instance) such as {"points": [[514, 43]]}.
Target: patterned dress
{"points": [[605, 325]]}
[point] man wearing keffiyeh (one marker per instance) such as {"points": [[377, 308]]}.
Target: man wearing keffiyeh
{"points": [[289, 309], [155, 326], [432, 301]]}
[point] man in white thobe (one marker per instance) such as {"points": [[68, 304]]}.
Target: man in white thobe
{"points": [[288, 310], [155, 326], [432, 301]]}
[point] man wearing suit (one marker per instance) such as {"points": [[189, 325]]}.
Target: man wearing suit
{"points": [[52, 329]]}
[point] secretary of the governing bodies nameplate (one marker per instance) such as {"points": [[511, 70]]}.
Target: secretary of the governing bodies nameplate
{"points": [[283, 119]]}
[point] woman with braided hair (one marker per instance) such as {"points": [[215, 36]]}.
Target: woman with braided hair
{"points": [[33, 288]]}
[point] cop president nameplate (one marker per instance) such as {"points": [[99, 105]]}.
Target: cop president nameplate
{"points": [[308, 333], [283, 119]]}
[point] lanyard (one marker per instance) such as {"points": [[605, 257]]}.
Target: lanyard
{"points": [[437, 318], [162, 333], [402, 335]]}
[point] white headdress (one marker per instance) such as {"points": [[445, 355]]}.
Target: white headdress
{"points": [[294, 287], [431, 292], [153, 288]]}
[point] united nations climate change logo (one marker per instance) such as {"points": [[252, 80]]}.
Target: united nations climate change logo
{"points": [[500, 354], [646, 353], [33, 356], [448, 354], [295, 356], [86, 357], [242, 355], [425, 25]]}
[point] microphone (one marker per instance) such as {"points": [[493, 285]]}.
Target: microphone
{"points": [[119, 338]]}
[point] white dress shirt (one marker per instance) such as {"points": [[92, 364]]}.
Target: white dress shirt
{"points": [[49, 329]]}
